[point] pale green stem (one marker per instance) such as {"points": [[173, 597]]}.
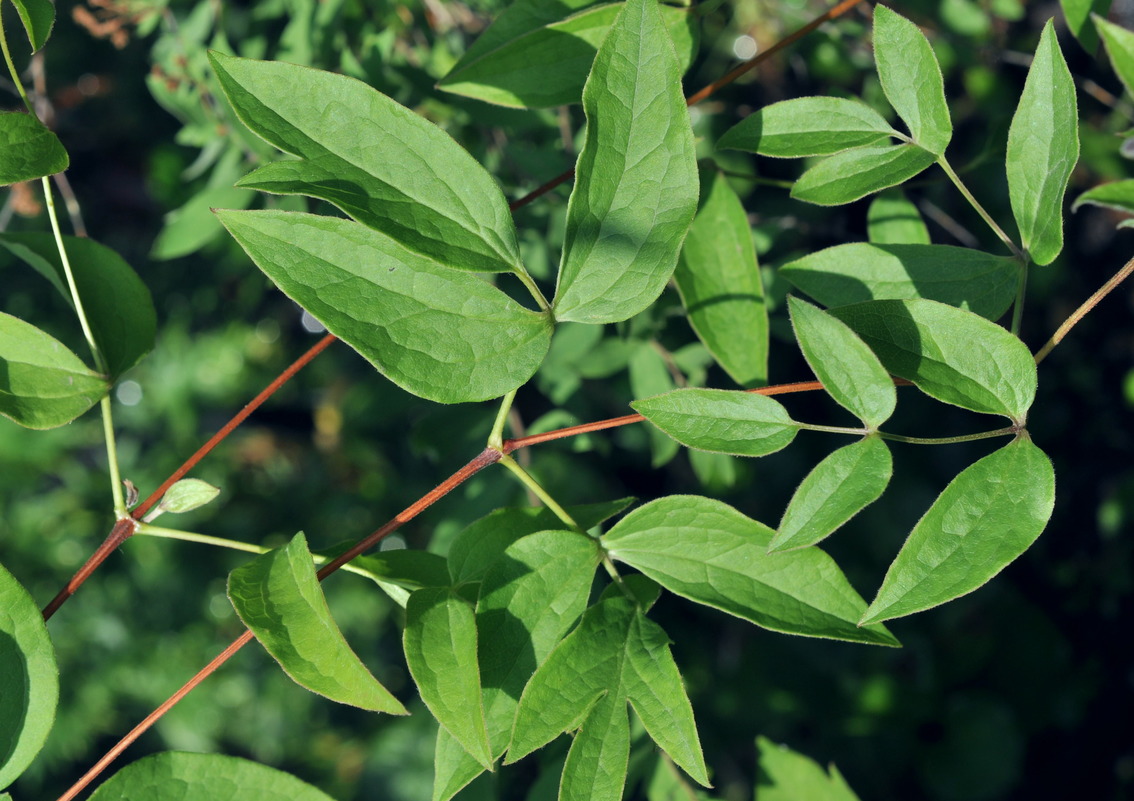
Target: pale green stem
{"points": [[12, 69], [233, 545], [496, 436], [120, 510], [540, 492], [1018, 306], [858, 432], [1000, 432], [530, 283], [984, 215]]}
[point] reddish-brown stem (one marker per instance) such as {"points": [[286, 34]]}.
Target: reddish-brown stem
{"points": [[1084, 309], [118, 535], [228, 427]]}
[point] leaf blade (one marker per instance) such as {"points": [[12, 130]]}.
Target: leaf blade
{"points": [[38, 17], [28, 150], [721, 421], [854, 174], [807, 126]]}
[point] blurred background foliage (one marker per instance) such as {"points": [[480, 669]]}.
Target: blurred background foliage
{"points": [[1020, 690]]}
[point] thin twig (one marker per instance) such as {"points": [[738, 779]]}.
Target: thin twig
{"points": [[1083, 310]]}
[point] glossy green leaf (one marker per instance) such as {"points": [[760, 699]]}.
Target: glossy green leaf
{"points": [[376, 160], [29, 679], [893, 220], [855, 272], [1043, 146], [1078, 14], [636, 178], [445, 335], [478, 546], [987, 516], [179, 776], [807, 126], [615, 655], [117, 304], [188, 494], [951, 354], [529, 599], [649, 376], [440, 642], [28, 150], [1117, 195], [911, 79], [535, 57], [721, 421], [1119, 44], [708, 552], [836, 489], [191, 227], [847, 368], [719, 282], [789, 776], [42, 384], [397, 572], [38, 17], [279, 599], [854, 174]]}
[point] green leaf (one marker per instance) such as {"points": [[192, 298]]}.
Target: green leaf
{"points": [[789, 776], [178, 776], [378, 161], [118, 305], [441, 644], [1119, 44], [893, 220], [847, 368], [721, 421], [38, 17], [476, 549], [29, 679], [911, 79], [441, 334], [534, 57], [615, 655], [529, 599], [1043, 146], [42, 384], [719, 281], [1117, 195], [836, 489], [987, 516], [650, 376], [1078, 14], [191, 227], [953, 355], [398, 572], [854, 174], [636, 178], [28, 150], [708, 552], [188, 494], [279, 599], [807, 126], [855, 272]]}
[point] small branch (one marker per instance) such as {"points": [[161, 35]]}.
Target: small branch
{"points": [[118, 535], [534, 487], [1000, 432], [856, 432], [943, 163], [1083, 310]]}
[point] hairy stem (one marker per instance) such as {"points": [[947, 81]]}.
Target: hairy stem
{"points": [[857, 432], [12, 69], [534, 487], [1000, 432], [984, 215], [1084, 309], [496, 436]]}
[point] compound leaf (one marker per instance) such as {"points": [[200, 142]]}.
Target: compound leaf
{"points": [[279, 599], [847, 368], [440, 642], [953, 355], [719, 282], [442, 334], [118, 305], [42, 383], [987, 516], [721, 421], [854, 174], [378, 161], [836, 489], [29, 679], [635, 189], [1043, 146], [179, 776], [858, 271], [28, 150], [708, 552], [911, 78], [807, 126]]}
